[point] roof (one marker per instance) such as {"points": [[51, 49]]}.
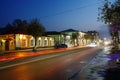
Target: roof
{"points": [[52, 33], [70, 30]]}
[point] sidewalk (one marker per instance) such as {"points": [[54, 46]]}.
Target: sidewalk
{"points": [[26, 50], [96, 68]]}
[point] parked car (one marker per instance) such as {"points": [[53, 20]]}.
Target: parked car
{"points": [[61, 46]]}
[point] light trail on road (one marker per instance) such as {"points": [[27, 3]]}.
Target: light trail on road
{"points": [[18, 55], [57, 68]]}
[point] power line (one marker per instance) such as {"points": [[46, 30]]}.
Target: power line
{"points": [[70, 10]]}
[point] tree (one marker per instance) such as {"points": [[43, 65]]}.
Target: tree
{"points": [[20, 26], [74, 38], [109, 13], [35, 29], [9, 29], [88, 37], [64, 36]]}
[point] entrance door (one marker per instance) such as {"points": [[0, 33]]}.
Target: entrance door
{"points": [[7, 45]]}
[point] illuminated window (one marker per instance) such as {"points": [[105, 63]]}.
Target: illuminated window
{"points": [[24, 43]]}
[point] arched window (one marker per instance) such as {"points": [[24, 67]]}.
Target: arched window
{"points": [[0, 43], [39, 42], [45, 42], [32, 42]]}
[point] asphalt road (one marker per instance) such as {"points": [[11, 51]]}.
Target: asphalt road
{"points": [[60, 67]]}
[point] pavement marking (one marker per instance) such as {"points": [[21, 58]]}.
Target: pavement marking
{"points": [[74, 75], [12, 65]]}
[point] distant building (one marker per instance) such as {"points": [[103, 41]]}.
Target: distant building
{"points": [[66, 37], [95, 35], [80, 41], [55, 35]]}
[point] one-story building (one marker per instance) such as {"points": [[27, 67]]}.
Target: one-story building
{"points": [[23, 41]]}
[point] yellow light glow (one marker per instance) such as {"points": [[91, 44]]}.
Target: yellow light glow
{"points": [[21, 36], [32, 38], [50, 39], [39, 38], [24, 37], [106, 42], [45, 38], [3, 40], [20, 55]]}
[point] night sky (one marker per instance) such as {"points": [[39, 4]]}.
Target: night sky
{"points": [[55, 15]]}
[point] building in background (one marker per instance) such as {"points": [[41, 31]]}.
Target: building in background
{"points": [[55, 35], [82, 41], [79, 39], [96, 37], [66, 37]]}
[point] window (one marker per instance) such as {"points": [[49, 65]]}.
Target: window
{"points": [[0, 43], [45, 43], [32, 42], [51, 43], [24, 43], [39, 42]]}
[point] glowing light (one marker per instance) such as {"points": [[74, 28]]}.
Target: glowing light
{"points": [[107, 42], [21, 36], [24, 37], [3, 40], [39, 38], [92, 45], [45, 38], [20, 55]]}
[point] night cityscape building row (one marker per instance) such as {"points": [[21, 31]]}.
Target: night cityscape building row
{"points": [[49, 39]]}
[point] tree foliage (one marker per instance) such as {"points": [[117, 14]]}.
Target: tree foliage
{"points": [[74, 37], [18, 26], [36, 29], [88, 37], [110, 13]]}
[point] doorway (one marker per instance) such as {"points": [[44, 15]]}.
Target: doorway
{"points": [[7, 42]]}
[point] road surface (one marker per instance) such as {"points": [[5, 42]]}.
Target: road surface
{"points": [[62, 67]]}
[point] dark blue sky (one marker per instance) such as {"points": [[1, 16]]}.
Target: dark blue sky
{"points": [[55, 15]]}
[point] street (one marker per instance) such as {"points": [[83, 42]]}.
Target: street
{"points": [[62, 67]]}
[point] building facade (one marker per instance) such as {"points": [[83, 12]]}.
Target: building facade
{"points": [[22, 41], [67, 38], [7, 42]]}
